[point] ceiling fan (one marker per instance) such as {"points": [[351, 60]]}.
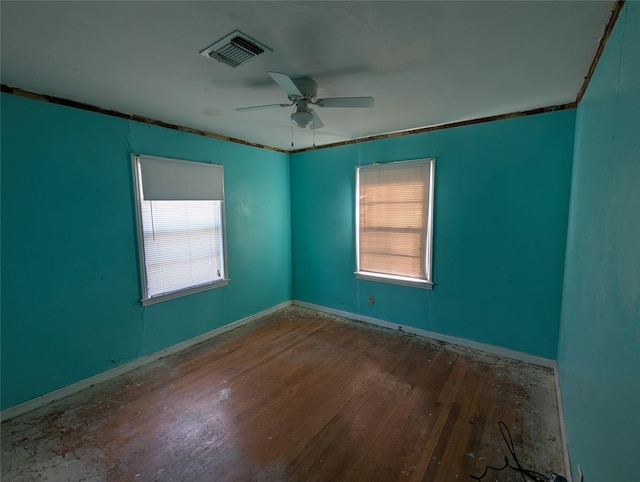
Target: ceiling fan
{"points": [[302, 93]]}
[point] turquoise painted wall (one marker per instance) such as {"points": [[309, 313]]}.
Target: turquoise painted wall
{"points": [[501, 206], [70, 283], [599, 348]]}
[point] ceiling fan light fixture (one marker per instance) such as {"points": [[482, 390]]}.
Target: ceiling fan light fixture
{"points": [[302, 118]]}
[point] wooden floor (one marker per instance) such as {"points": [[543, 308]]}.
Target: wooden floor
{"points": [[296, 396]]}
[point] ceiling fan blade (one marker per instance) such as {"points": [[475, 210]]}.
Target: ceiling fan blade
{"points": [[317, 123], [284, 81], [260, 107], [345, 102]]}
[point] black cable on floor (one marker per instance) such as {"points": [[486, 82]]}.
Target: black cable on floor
{"points": [[524, 473]]}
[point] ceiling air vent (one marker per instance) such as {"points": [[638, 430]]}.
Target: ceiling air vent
{"points": [[235, 49]]}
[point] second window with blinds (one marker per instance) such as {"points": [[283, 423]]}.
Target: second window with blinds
{"points": [[394, 222]]}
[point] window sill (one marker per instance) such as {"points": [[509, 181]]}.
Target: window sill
{"points": [[397, 280], [185, 292]]}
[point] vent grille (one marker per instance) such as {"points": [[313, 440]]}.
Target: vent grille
{"points": [[235, 49]]}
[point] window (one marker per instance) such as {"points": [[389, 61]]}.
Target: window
{"points": [[180, 217], [394, 219]]}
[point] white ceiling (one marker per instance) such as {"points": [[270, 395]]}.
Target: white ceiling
{"points": [[425, 63]]}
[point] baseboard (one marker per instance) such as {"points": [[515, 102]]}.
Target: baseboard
{"points": [[563, 427], [47, 398], [491, 349]]}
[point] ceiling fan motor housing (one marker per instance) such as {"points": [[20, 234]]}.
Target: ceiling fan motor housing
{"points": [[302, 92], [308, 87]]}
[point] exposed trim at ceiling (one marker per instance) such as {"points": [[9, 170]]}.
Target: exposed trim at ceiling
{"points": [[615, 12], [448, 125], [138, 118], [147, 120]]}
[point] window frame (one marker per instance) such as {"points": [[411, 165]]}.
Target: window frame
{"points": [[427, 282], [146, 299]]}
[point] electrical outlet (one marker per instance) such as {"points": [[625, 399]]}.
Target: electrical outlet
{"points": [[372, 300]]}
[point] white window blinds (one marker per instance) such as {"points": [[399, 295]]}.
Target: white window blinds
{"points": [[394, 219], [180, 225], [173, 180]]}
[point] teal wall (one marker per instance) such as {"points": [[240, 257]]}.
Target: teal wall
{"points": [[599, 348], [501, 206], [70, 282]]}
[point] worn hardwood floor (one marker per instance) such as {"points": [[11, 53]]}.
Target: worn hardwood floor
{"points": [[296, 396]]}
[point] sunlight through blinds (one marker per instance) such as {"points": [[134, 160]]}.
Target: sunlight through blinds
{"points": [[393, 214]]}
